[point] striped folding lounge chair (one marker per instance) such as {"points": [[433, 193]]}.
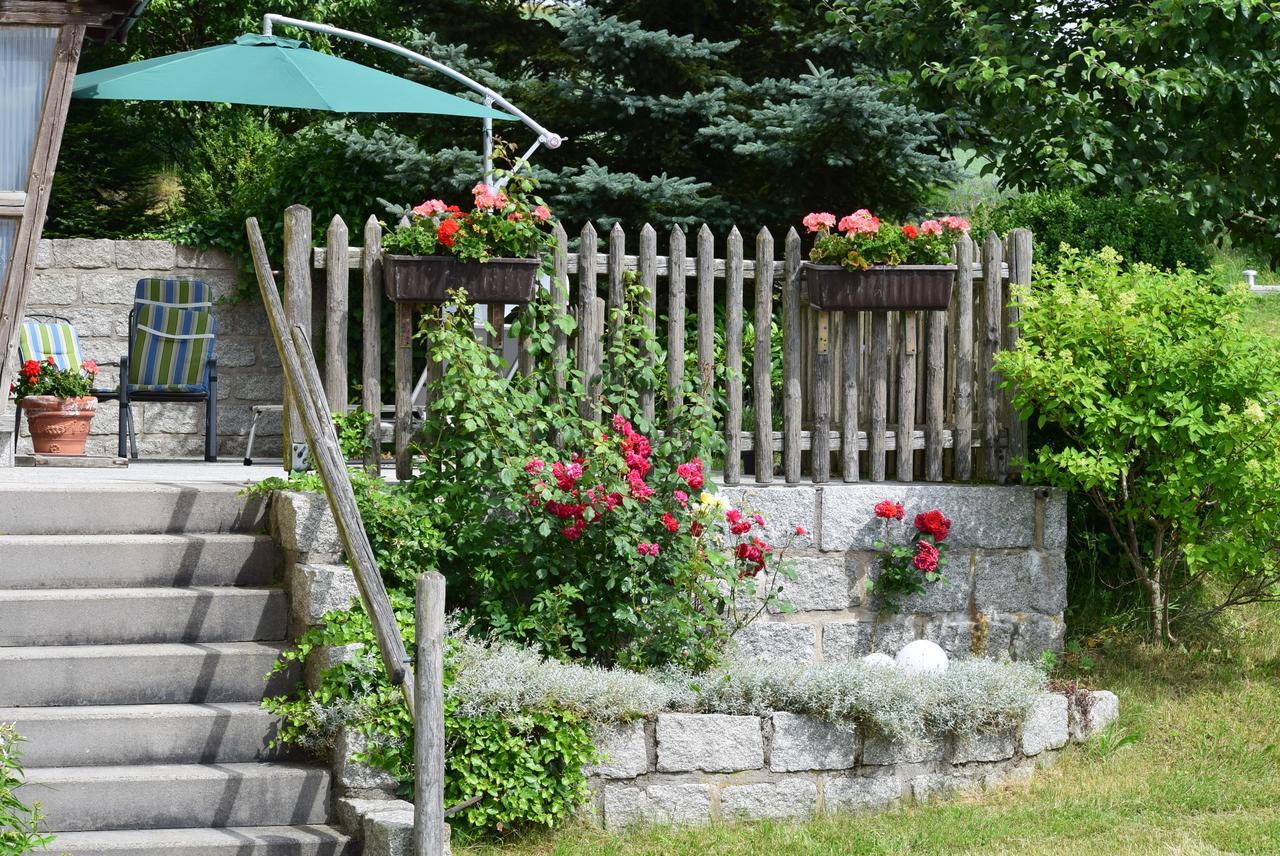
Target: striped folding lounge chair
{"points": [[44, 336], [170, 359]]}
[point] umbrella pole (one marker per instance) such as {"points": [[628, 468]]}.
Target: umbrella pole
{"points": [[487, 146]]}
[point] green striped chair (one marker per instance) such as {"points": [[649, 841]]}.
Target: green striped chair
{"points": [[170, 359], [44, 336]]}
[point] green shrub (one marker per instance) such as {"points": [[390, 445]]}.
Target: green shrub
{"points": [[1167, 411], [19, 824], [1140, 230]]}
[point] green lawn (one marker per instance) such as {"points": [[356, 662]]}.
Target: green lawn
{"points": [[1263, 313], [1192, 767]]}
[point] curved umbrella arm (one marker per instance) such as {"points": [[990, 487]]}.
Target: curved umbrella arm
{"points": [[545, 137]]}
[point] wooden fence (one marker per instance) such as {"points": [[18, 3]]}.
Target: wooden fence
{"points": [[859, 387]]}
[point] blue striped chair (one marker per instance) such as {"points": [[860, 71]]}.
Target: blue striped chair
{"points": [[44, 336], [171, 341]]}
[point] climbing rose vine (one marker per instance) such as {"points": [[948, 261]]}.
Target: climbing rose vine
{"points": [[906, 569]]}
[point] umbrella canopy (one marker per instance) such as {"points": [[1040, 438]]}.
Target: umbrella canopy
{"points": [[273, 72]]}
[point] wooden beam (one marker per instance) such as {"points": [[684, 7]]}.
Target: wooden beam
{"points": [[428, 736], [44, 160], [47, 13]]}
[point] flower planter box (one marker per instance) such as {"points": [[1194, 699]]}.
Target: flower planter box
{"points": [[429, 279], [59, 426], [902, 287]]}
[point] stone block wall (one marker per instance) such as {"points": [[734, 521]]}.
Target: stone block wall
{"points": [[1004, 593], [91, 282], [689, 769]]}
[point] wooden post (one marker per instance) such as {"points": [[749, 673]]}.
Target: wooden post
{"points": [[851, 341], [428, 730], [762, 362], [733, 358], [304, 386], [647, 266], [297, 308], [617, 298], [371, 326], [963, 433], [560, 298], [706, 309], [337, 285], [904, 437], [676, 275], [588, 325], [820, 443], [792, 400], [993, 311], [404, 389], [1020, 250], [879, 379], [498, 324], [934, 400], [35, 203]]}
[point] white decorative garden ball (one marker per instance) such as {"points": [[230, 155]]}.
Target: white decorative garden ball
{"points": [[878, 659], [921, 657]]}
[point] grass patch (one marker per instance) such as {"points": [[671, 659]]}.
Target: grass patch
{"points": [[1262, 313], [1200, 774]]}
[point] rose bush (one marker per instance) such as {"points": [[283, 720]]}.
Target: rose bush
{"points": [[860, 240], [907, 568]]}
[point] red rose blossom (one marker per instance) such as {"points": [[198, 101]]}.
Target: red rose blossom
{"points": [[926, 558], [890, 510], [933, 523], [669, 521]]}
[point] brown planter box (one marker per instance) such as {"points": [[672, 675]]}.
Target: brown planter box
{"points": [[880, 288], [429, 279]]}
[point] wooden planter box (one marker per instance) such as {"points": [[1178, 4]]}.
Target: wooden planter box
{"points": [[902, 287], [429, 279]]}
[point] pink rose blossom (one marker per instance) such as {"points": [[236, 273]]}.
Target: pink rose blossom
{"points": [[542, 213], [535, 466]]}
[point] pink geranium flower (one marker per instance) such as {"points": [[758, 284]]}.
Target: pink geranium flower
{"points": [[818, 221]]}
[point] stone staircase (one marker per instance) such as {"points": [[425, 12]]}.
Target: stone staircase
{"points": [[137, 625]]}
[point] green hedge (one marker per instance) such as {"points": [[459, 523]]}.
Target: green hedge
{"points": [[1140, 230]]}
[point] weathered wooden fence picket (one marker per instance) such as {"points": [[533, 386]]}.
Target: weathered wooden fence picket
{"points": [[906, 395]]}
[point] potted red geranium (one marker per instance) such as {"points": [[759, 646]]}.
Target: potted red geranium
{"points": [[491, 251], [59, 405], [862, 263]]}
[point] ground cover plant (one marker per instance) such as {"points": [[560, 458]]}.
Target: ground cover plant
{"points": [[19, 822]]}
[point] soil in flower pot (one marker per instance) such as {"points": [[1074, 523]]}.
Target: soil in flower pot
{"points": [[59, 426]]}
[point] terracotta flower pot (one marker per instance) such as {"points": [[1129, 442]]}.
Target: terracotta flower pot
{"points": [[59, 426]]}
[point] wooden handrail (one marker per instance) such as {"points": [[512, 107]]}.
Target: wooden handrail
{"points": [[305, 388]]}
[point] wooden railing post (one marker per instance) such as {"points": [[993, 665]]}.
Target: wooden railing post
{"points": [[371, 326], [428, 731], [297, 308]]}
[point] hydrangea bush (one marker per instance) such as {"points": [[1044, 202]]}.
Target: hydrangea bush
{"points": [[859, 240]]}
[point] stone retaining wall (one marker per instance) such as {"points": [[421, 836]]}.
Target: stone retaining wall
{"points": [[1004, 593], [92, 281], [680, 768]]}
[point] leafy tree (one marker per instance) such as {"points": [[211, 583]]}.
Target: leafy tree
{"points": [[1168, 411], [1174, 98]]}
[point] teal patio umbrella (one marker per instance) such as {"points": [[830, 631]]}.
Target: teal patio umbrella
{"points": [[273, 72]]}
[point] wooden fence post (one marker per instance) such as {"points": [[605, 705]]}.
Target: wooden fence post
{"points": [[337, 285], [560, 297], [851, 347], [733, 358], [706, 310], [1020, 250], [676, 275], [647, 265], [792, 396], [904, 436], [762, 362], [589, 407], [404, 389], [993, 312], [297, 308], [935, 373], [820, 438], [371, 369], [617, 297], [428, 731], [963, 433], [879, 381]]}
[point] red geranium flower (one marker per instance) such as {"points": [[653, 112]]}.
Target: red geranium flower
{"points": [[446, 231], [910, 231]]}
